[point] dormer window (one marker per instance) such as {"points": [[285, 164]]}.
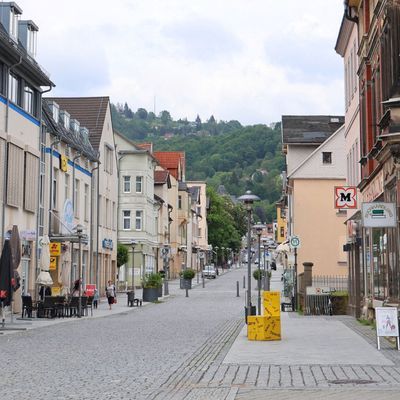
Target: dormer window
{"points": [[32, 41], [65, 117], [55, 110], [75, 125], [14, 13]]}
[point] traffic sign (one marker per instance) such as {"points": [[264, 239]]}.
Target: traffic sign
{"points": [[294, 242]]}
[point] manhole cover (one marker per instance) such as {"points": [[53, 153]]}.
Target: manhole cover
{"points": [[351, 382]]}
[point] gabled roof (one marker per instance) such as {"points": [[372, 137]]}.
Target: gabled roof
{"points": [[195, 193], [145, 146], [173, 161], [162, 178], [89, 111], [76, 141], [309, 129]]}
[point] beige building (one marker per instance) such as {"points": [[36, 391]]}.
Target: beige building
{"points": [[22, 82], [95, 114], [347, 48], [315, 165]]}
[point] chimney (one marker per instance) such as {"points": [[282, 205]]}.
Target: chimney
{"points": [[27, 34], [9, 14]]}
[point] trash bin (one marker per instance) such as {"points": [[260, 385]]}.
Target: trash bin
{"points": [[131, 298], [253, 311]]}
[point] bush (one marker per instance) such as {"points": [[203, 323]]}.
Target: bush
{"points": [[188, 273], [152, 280], [258, 274]]}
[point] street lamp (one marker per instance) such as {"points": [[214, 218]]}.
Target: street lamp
{"points": [[165, 252], [259, 228], [79, 232], [223, 257], [248, 199], [133, 244], [216, 258]]}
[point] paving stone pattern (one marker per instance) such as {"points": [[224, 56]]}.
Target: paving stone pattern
{"points": [[175, 351]]}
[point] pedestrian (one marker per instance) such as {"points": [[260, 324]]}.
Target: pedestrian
{"points": [[111, 293], [96, 298], [75, 289]]}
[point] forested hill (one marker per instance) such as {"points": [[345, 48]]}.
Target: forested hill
{"points": [[222, 153]]}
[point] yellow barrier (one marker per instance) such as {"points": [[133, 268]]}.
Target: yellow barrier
{"points": [[267, 326]]}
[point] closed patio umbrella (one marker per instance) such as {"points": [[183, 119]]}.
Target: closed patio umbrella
{"points": [[15, 244], [64, 274], [44, 277], [5, 278]]}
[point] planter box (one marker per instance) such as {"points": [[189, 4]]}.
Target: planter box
{"points": [[160, 291], [150, 294], [185, 283]]}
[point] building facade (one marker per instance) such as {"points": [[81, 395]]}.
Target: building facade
{"points": [[22, 82]]}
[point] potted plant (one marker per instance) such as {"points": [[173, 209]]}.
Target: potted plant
{"points": [[151, 284], [259, 275], [186, 276]]}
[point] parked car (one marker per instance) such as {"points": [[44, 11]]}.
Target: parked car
{"points": [[209, 272]]}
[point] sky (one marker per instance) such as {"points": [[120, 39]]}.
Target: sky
{"points": [[248, 60]]}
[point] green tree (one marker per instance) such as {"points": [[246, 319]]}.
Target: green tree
{"points": [[141, 113], [165, 117], [122, 255]]}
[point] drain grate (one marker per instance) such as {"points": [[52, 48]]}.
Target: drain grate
{"points": [[351, 382]]}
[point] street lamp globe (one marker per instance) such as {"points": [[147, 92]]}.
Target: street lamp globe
{"points": [[248, 199]]}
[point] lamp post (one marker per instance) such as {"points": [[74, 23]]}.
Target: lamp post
{"points": [[133, 244], [248, 199], [259, 228], [216, 258], [79, 231], [223, 257], [165, 252]]}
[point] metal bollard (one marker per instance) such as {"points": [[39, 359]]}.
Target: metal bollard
{"points": [[187, 292], [244, 282], [237, 289], [203, 281]]}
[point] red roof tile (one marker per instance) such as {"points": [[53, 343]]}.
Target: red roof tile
{"points": [[171, 160]]}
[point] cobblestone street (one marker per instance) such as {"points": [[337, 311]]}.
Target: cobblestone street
{"points": [[184, 348]]}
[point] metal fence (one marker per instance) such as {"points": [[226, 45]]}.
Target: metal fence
{"points": [[336, 282]]}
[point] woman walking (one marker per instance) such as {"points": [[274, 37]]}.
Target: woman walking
{"points": [[111, 293]]}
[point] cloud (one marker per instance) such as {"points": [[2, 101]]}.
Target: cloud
{"points": [[250, 60]]}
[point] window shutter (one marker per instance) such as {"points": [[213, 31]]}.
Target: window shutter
{"points": [[31, 182], [15, 175], [2, 166]]}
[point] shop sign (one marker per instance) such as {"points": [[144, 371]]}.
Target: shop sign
{"points": [[379, 215], [387, 324], [55, 249], [67, 217], [319, 291], [64, 163], [90, 289], [53, 263], [374, 189], [29, 235], [345, 197], [26, 250], [107, 244]]}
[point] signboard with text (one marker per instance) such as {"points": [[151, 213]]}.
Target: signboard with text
{"points": [[387, 324], [55, 249], [379, 215]]}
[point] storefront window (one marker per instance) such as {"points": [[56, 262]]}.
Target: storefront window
{"points": [[379, 244]]}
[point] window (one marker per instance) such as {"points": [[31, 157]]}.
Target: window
{"points": [[66, 187], [54, 190], [138, 220], [108, 159], [2, 75], [126, 216], [113, 216], [29, 100], [326, 157], [31, 182], [180, 202], [87, 202], [139, 184], [13, 24], [127, 184], [31, 42], [76, 198], [13, 88]]}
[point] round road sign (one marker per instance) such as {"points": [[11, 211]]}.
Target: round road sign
{"points": [[295, 242]]}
